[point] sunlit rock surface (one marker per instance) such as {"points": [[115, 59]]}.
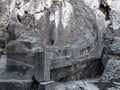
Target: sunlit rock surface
{"points": [[77, 85], [114, 13]]}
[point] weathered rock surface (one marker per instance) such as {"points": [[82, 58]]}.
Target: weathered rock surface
{"points": [[42, 67], [76, 85], [30, 38], [111, 52], [82, 70], [3, 40], [15, 30], [110, 74], [114, 13], [112, 38], [114, 46], [15, 84], [22, 48], [59, 39]]}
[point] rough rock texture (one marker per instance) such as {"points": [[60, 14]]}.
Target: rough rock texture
{"points": [[78, 71], [110, 59], [14, 30], [60, 40], [110, 74], [114, 13], [77, 85], [112, 34], [15, 84]]}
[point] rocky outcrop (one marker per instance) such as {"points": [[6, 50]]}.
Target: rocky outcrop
{"points": [[110, 77], [110, 74], [60, 40]]}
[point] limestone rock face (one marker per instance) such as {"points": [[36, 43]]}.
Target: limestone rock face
{"points": [[60, 22], [15, 30], [114, 13], [50, 38], [110, 59], [113, 34], [30, 38], [110, 74], [62, 40], [115, 45]]}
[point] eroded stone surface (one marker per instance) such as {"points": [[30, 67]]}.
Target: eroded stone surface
{"points": [[15, 30], [72, 34], [110, 74], [15, 84], [76, 85], [82, 70]]}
